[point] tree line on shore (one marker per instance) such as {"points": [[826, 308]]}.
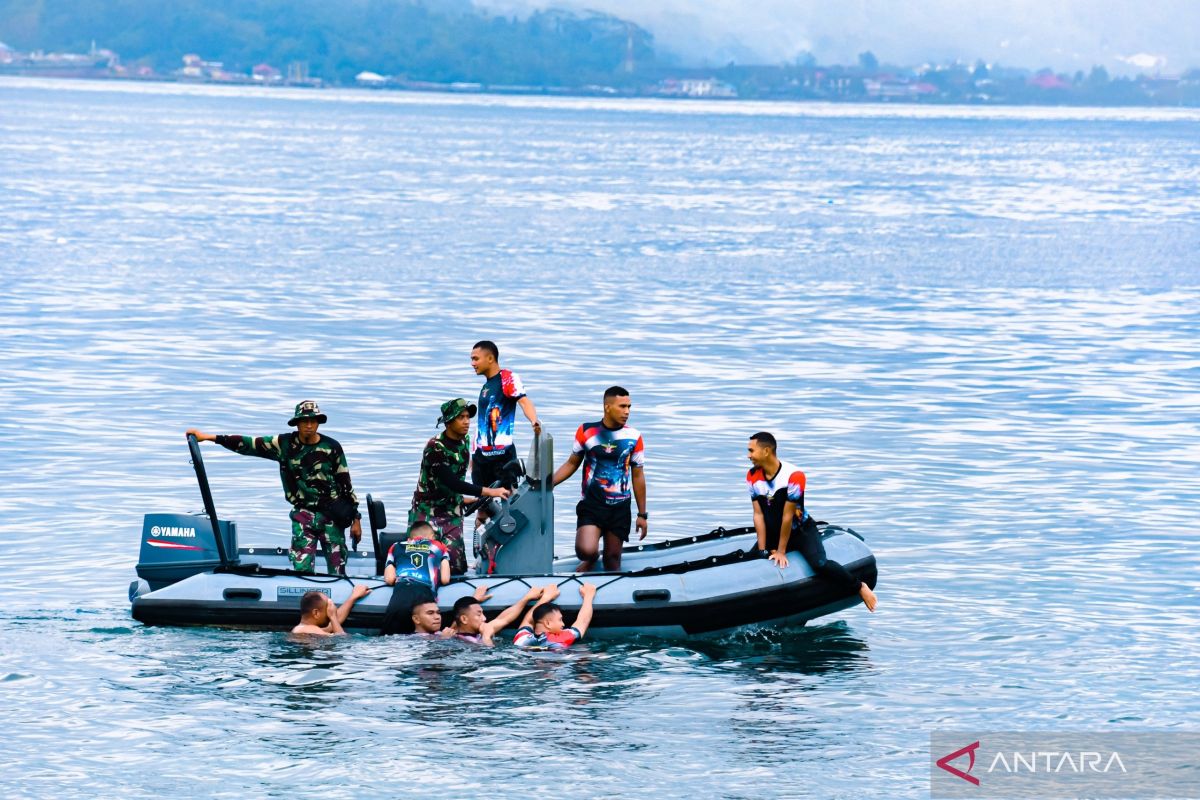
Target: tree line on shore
{"points": [[441, 42], [444, 41]]}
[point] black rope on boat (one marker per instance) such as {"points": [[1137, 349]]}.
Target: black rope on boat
{"points": [[493, 587], [256, 571], [579, 578]]}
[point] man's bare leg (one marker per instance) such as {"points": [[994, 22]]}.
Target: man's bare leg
{"points": [[587, 547], [867, 596], [612, 552]]}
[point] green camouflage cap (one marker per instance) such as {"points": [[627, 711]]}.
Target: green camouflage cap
{"points": [[308, 409], [452, 408]]}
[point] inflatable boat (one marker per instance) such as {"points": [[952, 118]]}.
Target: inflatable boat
{"points": [[191, 571]]}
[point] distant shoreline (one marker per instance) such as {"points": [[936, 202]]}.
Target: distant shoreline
{"points": [[680, 105]]}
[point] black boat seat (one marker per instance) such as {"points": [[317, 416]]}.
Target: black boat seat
{"points": [[386, 540], [378, 519]]}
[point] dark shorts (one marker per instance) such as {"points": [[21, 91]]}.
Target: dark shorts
{"points": [[405, 595], [615, 519], [485, 470]]}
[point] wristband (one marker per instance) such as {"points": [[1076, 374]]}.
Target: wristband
{"points": [[643, 515]]}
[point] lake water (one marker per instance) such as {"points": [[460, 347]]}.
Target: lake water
{"points": [[975, 329]]}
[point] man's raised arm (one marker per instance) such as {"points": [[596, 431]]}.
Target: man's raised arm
{"points": [[506, 617], [588, 592]]}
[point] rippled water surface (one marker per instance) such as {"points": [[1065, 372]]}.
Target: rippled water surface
{"points": [[976, 330]]}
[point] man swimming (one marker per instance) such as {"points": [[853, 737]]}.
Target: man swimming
{"points": [[471, 625], [543, 629], [426, 619]]}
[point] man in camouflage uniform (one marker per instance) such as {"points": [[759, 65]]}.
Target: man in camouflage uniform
{"points": [[315, 479], [439, 496]]}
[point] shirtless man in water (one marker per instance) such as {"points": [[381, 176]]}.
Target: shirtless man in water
{"points": [[320, 617]]}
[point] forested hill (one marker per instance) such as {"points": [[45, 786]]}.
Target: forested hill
{"points": [[440, 40]]}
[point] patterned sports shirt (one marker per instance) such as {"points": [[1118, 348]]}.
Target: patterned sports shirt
{"points": [[497, 413], [771, 493], [418, 560], [546, 641], [608, 457]]}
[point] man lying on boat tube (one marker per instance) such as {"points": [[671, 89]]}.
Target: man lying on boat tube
{"points": [[777, 496], [416, 567], [316, 482]]}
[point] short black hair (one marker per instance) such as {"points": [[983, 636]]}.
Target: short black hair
{"points": [[311, 602], [615, 391], [462, 604], [418, 525], [544, 610], [765, 439], [490, 346]]}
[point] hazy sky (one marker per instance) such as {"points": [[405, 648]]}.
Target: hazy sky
{"points": [[1123, 35]]}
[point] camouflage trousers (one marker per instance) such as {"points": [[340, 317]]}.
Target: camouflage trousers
{"points": [[309, 529], [447, 529]]}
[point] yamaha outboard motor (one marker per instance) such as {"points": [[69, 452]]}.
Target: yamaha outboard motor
{"points": [[177, 546]]}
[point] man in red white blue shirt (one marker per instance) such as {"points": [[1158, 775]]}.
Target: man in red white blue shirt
{"points": [[501, 393], [777, 495], [543, 627], [613, 457]]}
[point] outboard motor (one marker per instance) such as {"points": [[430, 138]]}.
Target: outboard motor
{"points": [[177, 546]]}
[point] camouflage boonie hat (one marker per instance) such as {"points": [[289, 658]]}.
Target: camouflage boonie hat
{"points": [[452, 408], [308, 409]]}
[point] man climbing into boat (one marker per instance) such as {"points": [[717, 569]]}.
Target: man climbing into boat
{"points": [[777, 496], [612, 454], [415, 569], [501, 393], [472, 626], [542, 627], [316, 482], [319, 616], [441, 486]]}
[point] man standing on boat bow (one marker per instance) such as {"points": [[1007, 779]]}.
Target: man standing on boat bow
{"points": [[777, 495], [316, 481]]}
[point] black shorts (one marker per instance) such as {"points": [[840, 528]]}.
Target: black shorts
{"points": [[615, 519], [405, 595], [485, 470]]}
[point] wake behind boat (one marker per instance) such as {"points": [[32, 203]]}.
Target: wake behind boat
{"points": [[191, 571]]}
